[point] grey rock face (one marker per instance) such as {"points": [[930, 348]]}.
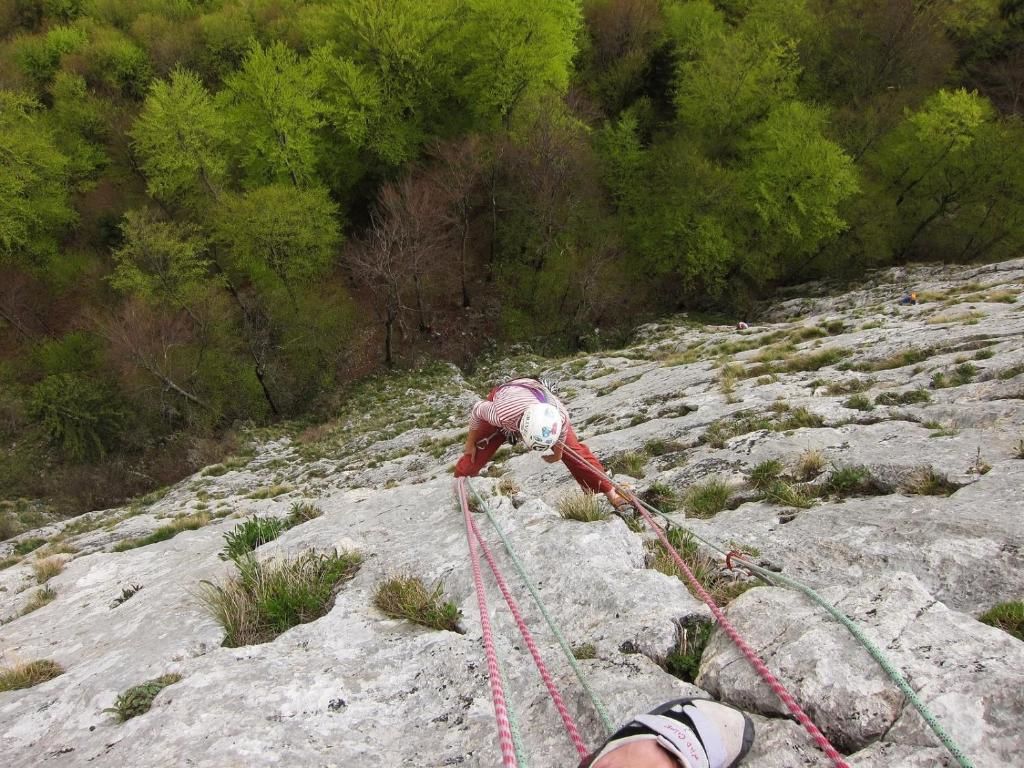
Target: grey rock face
{"points": [[929, 536]]}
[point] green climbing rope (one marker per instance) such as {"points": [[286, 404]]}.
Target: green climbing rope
{"points": [[602, 713], [883, 661]]}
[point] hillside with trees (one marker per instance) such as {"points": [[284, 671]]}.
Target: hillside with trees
{"points": [[219, 213]]}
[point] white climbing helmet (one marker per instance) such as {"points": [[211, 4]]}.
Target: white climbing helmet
{"points": [[540, 426]]}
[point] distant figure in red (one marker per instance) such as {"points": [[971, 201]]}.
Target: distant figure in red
{"points": [[524, 409], [741, 326]]}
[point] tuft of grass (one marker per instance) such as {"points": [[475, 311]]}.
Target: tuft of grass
{"points": [[684, 661], [508, 486], [265, 599], [705, 569], [1008, 617], [984, 354], [706, 499], [407, 597], [859, 402], [45, 570], [1012, 372], [1018, 450], [581, 506], [302, 512], [659, 447], [903, 398], [810, 464], [270, 492], [139, 698], [28, 674], [962, 374], [850, 480], [165, 532], [765, 474], [248, 535], [661, 496], [630, 463], [7, 562], [927, 482], [847, 386], [584, 651], [43, 596], [25, 546], [781, 492], [899, 360], [127, 593]]}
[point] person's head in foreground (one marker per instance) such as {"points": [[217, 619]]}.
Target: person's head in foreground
{"points": [[687, 733]]}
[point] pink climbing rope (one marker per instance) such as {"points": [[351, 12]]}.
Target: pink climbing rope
{"points": [[508, 755], [750, 653], [513, 606]]}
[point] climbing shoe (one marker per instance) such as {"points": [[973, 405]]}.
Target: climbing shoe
{"points": [[698, 733]]}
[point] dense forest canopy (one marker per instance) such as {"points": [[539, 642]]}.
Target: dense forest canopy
{"points": [[215, 212]]}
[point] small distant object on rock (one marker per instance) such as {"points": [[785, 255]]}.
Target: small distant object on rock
{"points": [[908, 297], [741, 326], [335, 705]]}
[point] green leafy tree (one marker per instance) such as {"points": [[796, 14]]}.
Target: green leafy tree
{"points": [[34, 206], [79, 126], [39, 56], [80, 416], [274, 115], [280, 236], [181, 139]]}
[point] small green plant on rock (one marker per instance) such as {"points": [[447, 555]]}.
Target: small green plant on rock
{"points": [[850, 480], [630, 463], [138, 699], [706, 499], [250, 534], [810, 464], [661, 496], [28, 674], [765, 474], [407, 597], [684, 661], [903, 398], [165, 532], [25, 546], [859, 402], [581, 506], [781, 492], [1008, 617], [302, 512], [43, 596], [584, 651]]}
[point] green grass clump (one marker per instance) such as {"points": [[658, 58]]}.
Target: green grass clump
{"points": [[265, 599], [248, 535], [684, 661], [765, 474], [1008, 617], [781, 492], [302, 512], [7, 562], [810, 464], [138, 699], [661, 496], [407, 597], [705, 569], [962, 374], [1018, 450], [659, 447], [165, 532], [984, 354], [270, 492], [28, 674], [859, 402], [706, 499], [850, 480], [846, 387], [903, 398], [1011, 372], [899, 360], [43, 596], [927, 482], [581, 506], [783, 418], [630, 463], [25, 546]]}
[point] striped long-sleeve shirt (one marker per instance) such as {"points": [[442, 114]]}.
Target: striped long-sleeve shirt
{"points": [[510, 401]]}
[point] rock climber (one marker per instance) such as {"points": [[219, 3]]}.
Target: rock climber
{"points": [[685, 733], [908, 297], [525, 409]]}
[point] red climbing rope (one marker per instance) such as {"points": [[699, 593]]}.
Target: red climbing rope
{"points": [[750, 653], [508, 756], [556, 697]]}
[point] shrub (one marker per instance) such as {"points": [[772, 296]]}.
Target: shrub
{"points": [[629, 463], [765, 474], [581, 506], [983, 354], [28, 674], [265, 599], [859, 402], [138, 699], [684, 661], [810, 464], [25, 546], [406, 597], [165, 532], [79, 416], [1008, 617], [706, 499], [47, 569]]}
